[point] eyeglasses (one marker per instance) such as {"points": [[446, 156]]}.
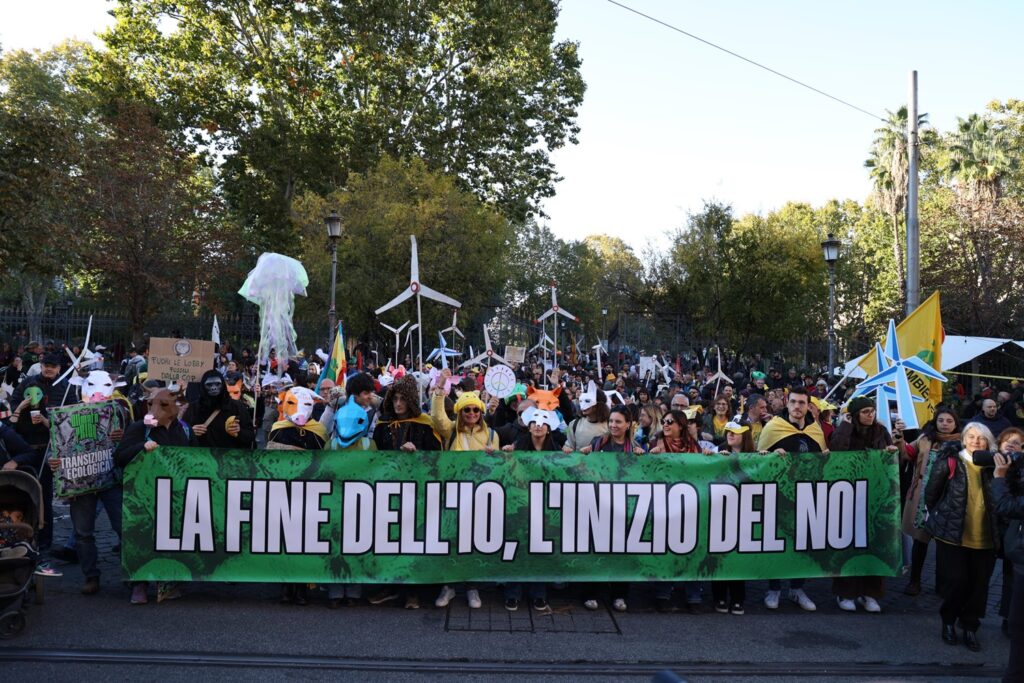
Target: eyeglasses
{"points": [[471, 409]]}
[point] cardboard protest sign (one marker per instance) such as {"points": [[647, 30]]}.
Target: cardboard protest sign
{"points": [[515, 354], [80, 438], [180, 360]]}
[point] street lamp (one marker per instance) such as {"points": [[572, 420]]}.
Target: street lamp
{"points": [[830, 250], [333, 223], [604, 323]]}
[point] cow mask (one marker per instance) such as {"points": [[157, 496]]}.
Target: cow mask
{"points": [[97, 386], [163, 406], [297, 405]]}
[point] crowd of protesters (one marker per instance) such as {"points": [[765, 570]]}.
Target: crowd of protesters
{"points": [[684, 406]]}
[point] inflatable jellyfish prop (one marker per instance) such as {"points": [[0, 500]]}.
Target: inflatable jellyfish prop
{"points": [[272, 285]]}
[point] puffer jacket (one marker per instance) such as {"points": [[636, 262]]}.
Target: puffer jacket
{"points": [[946, 498]]}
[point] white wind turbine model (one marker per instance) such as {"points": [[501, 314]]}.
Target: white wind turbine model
{"points": [[718, 376], [487, 355], [454, 329], [599, 349], [417, 289], [408, 341], [555, 311], [397, 331]]}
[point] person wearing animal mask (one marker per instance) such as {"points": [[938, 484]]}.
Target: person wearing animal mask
{"points": [[217, 420], [296, 429], [159, 427]]}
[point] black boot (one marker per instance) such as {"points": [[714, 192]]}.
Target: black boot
{"points": [[949, 634], [971, 641]]}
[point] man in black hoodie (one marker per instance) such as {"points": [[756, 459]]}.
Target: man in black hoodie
{"points": [[216, 419]]}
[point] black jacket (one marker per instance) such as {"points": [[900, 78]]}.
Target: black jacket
{"points": [[135, 437], [13, 447], [511, 433], [1011, 507], [946, 498]]}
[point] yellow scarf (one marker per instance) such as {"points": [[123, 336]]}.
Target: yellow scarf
{"points": [[312, 426], [778, 428]]}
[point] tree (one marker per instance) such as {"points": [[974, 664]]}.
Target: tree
{"points": [[890, 169], [44, 121], [151, 219], [295, 96], [462, 245]]}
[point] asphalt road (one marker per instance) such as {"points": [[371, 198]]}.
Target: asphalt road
{"points": [[242, 632]]}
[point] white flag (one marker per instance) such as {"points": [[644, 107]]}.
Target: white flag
{"points": [[215, 334]]}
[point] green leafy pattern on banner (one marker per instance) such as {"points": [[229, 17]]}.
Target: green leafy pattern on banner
{"points": [[514, 471]]}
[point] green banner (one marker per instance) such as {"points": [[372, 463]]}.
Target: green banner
{"points": [[193, 514], [81, 437]]}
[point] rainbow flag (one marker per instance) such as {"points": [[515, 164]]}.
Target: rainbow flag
{"points": [[337, 366]]}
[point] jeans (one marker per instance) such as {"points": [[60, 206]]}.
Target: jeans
{"points": [[337, 591], [514, 591], [83, 516]]}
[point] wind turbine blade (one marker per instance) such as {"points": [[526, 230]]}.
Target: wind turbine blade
{"points": [[882, 407], [438, 296], [487, 339], [414, 271], [546, 314], [402, 327], [459, 332], [388, 327], [905, 401], [884, 377], [892, 342], [404, 296], [567, 314], [920, 367], [88, 334]]}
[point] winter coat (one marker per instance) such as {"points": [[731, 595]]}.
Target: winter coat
{"points": [[946, 498], [137, 433], [847, 437], [1010, 507]]}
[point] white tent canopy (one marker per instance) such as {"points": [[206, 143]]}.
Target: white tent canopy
{"points": [[956, 351]]}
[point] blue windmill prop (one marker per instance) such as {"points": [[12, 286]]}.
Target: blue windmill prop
{"points": [[894, 371], [443, 352]]}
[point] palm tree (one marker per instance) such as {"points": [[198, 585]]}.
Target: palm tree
{"points": [[978, 160], [890, 173]]}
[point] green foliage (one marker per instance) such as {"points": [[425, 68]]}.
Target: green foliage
{"points": [[463, 246], [295, 96]]}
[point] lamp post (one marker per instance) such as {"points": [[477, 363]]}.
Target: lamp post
{"points": [[333, 223], [830, 250], [604, 323]]}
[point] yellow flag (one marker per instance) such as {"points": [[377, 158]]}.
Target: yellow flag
{"points": [[919, 334]]}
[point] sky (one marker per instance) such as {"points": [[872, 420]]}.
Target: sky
{"points": [[668, 122]]}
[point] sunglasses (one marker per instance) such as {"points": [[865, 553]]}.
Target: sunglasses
{"points": [[668, 422], [471, 409]]}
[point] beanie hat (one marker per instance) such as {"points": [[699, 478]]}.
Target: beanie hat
{"points": [[859, 403], [469, 398]]}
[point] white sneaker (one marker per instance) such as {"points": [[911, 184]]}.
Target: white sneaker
{"points": [[798, 596], [590, 604], [771, 599], [847, 605], [473, 598], [869, 604], [619, 605], [447, 593]]}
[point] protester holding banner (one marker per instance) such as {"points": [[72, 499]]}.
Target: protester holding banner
{"points": [[593, 420], [159, 427], [943, 428], [468, 432], [619, 439], [675, 435], [796, 431], [859, 430], [217, 420], [962, 520], [402, 424]]}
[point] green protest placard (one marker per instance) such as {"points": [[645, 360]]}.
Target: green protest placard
{"points": [[323, 516], [80, 436]]}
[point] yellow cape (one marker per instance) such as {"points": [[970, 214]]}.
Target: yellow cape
{"points": [[422, 419], [778, 428], [312, 426]]}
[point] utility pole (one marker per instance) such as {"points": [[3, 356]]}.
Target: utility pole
{"points": [[913, 229]]}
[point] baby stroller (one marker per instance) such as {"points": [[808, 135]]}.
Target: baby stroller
{"points": [[19, 493]]}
